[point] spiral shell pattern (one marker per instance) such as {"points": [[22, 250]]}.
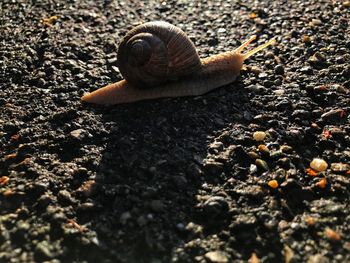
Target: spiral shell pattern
{"points": [[155, 53]]}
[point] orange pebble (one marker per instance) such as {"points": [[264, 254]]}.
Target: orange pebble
{"points": [[322, 183], [332, 235], [11, 156], [49, 21], [263, 148], [25, 161], [8, 192], [4, 180], [254, 258], [310, 221], [311, 172], [306, 38], [273, 184], [253, 15], [87, 187], [72, 223]]}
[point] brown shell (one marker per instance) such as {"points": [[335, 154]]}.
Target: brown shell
{"points": [[156, 52]]}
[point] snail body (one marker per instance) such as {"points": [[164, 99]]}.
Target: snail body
{"points": [[158, 60]]}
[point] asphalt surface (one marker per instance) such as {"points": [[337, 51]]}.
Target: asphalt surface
{"points": [[224, 177]]}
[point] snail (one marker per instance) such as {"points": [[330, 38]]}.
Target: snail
{"points": [[158, 60]]}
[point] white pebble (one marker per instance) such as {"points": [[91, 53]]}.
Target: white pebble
{"points": [[318, 165], [315, 22], [279, 92], [216, 257], [221, 30]]}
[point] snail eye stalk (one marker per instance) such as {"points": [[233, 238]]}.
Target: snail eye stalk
{"points": [[257, 49], [241, 47]]}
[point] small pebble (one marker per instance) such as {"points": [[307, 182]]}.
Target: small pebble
{"points": [[255, 70], [221, 30], [315, 22], [261, 164], [306, 70], [289, 255], [306, 39], [43, 250], [253, 169], [88, 206], [181, 227], [212, 167], [125, 217], [253, 155], [65, 196], [216, 257], [286, 149], [141, 221], [337, 133], [264, 150], [157, 205], [77, 134], [279, 70], [279, 92], [259, 136], [332, 235], [334, 115], [215, 206], [322, 183], [310, 221], [284, 162], [340, 167], [318, 165], [273, 184], [327, 207], [317, 258]]}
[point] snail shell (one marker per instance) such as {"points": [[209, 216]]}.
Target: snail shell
{"points": [[155, 53]]}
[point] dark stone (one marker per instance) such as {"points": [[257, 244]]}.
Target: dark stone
{"points": [[279, 70], [215, 207]]}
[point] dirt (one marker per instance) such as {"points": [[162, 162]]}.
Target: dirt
{"points": [[175, 179]]}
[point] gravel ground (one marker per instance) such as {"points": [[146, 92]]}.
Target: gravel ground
{"points": [[222, 177]]}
